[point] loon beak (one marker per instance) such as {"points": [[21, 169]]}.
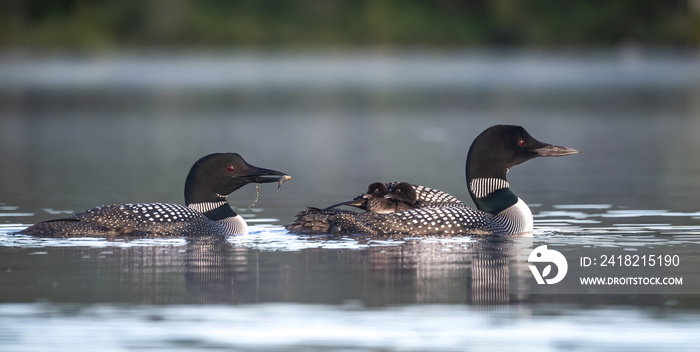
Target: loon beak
{"points": [[554, 150], [256, 174]]}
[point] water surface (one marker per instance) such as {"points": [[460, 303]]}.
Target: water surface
{"points": [[78, 132]]}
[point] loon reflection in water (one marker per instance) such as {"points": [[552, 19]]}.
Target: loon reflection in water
{"points": [[207, 212], [476, 272], [499, 210]]}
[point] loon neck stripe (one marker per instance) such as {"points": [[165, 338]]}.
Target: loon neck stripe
{"points": [[214, 210], [482, 187], [206, 206]]}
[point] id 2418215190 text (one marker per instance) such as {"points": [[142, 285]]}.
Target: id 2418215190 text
{"points": [[631, 260]]}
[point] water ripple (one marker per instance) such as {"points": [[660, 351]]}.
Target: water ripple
{"points": [[290, 327], [585, 222], [575, 220], [9, 239]]}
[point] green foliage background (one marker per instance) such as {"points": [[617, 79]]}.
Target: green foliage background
{"points": [[84, 24]]}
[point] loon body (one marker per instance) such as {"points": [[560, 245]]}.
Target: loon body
{"points": [[207, 212], [499, 210]]}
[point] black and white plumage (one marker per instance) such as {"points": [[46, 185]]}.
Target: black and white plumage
{"points": [[207, 212], [499, 210]]}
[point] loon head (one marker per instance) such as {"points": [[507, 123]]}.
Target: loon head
{"points": [[492, 154], [375, 190], [403, 192], [215, 176], [501, 147]]}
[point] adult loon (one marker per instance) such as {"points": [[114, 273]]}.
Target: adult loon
{"points": [[384, 198], [499, 210], [207, 212]]}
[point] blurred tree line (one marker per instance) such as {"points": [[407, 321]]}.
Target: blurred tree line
{"points": [[94, 24]]}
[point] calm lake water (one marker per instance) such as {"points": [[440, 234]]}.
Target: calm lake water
{"points": [[79, 131]]}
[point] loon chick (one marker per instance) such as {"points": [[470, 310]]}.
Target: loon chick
{"points": [[418, 197], [403, 197], [207, 212], [499, 210]]}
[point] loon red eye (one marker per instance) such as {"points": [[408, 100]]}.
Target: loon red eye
{"points": [[521, 142], [230, 168]]}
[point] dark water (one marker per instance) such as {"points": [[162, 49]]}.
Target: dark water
{"points": [[76, 132]]}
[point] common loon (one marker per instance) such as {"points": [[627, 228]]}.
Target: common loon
{"points": [[499, 210], [207, 212]]}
